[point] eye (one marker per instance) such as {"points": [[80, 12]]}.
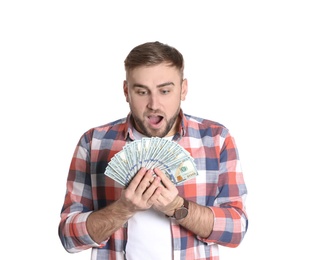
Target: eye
{"points": [[141, 92], [165, 91]]}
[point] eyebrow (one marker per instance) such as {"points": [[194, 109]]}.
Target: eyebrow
{"points": [[158, 86]]}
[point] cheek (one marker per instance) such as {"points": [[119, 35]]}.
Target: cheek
{"points": [[173, 105], [136, 104]]}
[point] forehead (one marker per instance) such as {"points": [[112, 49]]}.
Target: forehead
{"points": [[160, 72]]}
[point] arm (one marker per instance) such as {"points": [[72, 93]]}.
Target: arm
{"points": [[103, 223], [199, 219], [230, 218], [222, 221], [78, 203], [81, 227]]}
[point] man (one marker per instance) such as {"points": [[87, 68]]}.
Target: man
{"points": [[152, 218]]}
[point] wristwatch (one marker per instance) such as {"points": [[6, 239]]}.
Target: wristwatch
{"points": [[181, 212]]}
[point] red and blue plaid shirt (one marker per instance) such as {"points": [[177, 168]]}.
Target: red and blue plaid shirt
{"points": [[219, 186]]}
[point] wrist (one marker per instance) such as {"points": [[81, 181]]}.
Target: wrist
{"points": [[122, 209], [181, 211], [177, 203]]}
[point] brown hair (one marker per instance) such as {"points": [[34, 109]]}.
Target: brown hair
{"points": [[154, 53]]}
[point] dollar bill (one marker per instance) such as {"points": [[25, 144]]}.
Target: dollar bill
{"points": [[154, 152]]}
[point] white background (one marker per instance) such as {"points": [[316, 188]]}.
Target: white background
{"points": [[258, 67]]}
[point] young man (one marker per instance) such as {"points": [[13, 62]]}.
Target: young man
{"points": [[152, 218]]}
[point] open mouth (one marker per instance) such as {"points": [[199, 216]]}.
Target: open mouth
{"points": [[155, 120]]}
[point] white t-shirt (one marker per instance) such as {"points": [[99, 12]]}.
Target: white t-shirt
{"points": [[148, 233], [149, 236]]}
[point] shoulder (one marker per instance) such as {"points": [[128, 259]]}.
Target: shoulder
{"points": [[204, 126], [108, 130]]}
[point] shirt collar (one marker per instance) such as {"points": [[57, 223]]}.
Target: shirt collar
{"points": [[129, 128]]}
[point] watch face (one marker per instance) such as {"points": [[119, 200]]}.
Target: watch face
{"points": [[181, 213]]}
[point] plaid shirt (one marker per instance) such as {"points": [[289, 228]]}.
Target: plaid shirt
{"points": [[219, 186]]}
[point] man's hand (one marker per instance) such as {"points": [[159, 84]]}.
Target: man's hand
{"points": [[168, 199], [142, 191], [151, 188]]}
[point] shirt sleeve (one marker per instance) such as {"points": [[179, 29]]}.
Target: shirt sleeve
{"points": [[78, 202], [230, 218]]}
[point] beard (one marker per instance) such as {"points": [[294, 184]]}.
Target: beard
{"points": [[141, 127]]}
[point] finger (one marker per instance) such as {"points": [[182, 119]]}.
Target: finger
{"points": [[152, 178], [145, 182], [153, 193], [169, 190], [164, 179], [133, 185], [152, 183], [141, 189]]}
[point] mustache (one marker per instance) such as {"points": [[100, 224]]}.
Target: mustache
{"points": [[154, 111]]}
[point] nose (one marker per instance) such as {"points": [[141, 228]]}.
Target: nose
{"points": [[153, 102]]}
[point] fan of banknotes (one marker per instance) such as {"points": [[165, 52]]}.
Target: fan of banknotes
{"points": [[152, 152]]}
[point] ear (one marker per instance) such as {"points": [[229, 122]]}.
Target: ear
{"points": [[184, 89], [125, 87]]}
